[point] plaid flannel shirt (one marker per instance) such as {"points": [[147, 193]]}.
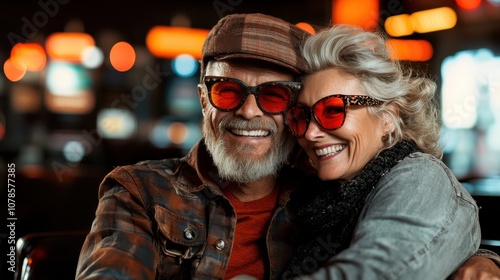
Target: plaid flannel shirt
{"points": [[168, 219]]}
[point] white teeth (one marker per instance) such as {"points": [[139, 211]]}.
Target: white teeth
{"points": [[331, 150], [254, 133]]}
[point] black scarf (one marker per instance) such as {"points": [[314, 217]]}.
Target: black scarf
{"points": [[325, 216]]}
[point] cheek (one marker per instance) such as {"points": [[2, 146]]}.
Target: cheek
{"points": [[213, 118], [215, 115], [304, 144], [370, 140]]}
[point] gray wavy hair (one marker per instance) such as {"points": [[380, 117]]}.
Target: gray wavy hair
{"points": [[365, 55]]}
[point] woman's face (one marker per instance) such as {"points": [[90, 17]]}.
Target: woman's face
{"points": [[340, 154]]}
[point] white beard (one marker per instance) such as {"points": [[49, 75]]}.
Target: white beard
{"points": [[246, 169]]}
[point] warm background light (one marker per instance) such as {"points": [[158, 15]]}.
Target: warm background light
{"points": [[68, 46], [411, 50], [12, 72], [169, 42], [434, 19], [82, 102], [468, 4], [29, 56], [122, 56], [115, 123], [399, 25], [25, 98], [306, 26], [177, 132], [363, 13]]}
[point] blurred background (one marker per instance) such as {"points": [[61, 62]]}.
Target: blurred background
{"points": [[86, 86]]}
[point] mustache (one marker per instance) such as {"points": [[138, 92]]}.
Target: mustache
{"points": [[231, 122]]}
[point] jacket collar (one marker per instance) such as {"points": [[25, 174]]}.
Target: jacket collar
{"points": [[206, 176]]}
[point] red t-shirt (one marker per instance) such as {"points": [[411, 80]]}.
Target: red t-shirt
{"points": [[249, 253]]}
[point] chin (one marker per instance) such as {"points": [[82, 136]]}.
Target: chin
{"points": [[324, 175]]}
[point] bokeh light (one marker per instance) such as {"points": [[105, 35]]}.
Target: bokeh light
{"points": [[66, 78], [169, 42], [122, 56], [184, 65], [68, 46], [177, 132], [116, 123], [399, 25], [468, 4], [434, 20], [92, 57], [29, 56], [306, 26], [25, 98], [167, 131], [73, 151], [362, 13], [12, 72], [411, 50]]}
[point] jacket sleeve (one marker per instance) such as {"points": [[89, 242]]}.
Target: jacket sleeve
{"points": [[418, 223], [120, 243]]}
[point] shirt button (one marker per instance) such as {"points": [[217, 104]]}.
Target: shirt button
{"points": [[220, 244], [189, 234]]}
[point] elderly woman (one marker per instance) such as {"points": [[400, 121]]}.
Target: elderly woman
{"points": [[370, 129]]}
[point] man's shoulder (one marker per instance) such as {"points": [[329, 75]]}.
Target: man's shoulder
{"points": [[164, 172], [154, 178]]}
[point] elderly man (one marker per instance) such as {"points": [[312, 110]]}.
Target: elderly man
{"points": [[220, 211]]}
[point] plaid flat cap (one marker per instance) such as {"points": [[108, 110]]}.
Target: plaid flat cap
{"points": [[256, 36]]}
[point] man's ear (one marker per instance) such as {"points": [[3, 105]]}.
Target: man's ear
{"points": [[202, 94]]}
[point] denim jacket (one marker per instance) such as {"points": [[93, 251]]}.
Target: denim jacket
{"points": [[168, 219], [418, 223]]}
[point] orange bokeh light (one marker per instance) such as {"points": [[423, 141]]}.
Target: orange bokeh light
{"points": [[434, 19], [468, 4], [411, 50], [169, 42], [29, 56], [122, 56], [68, 46], [12, 71], [306, 26], [399, 25], [363, 13]]}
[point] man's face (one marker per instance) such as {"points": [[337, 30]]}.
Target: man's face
{"points": [[246, 144]]}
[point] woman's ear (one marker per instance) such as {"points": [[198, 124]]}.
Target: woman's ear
{"points": [[202, 94], [389, 118]]}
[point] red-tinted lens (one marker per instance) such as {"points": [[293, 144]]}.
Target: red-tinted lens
{"points": [[297, 121], [330, 113], [274, 98], [226, 95]]}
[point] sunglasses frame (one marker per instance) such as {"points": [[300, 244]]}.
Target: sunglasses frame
{"points": [[294, 88], [348, 100]]}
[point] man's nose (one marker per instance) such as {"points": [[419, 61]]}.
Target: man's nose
{"points": [[249, 109]]}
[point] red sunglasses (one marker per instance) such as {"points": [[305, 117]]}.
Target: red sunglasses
{"points": [[227, 94], [329, 112]]}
